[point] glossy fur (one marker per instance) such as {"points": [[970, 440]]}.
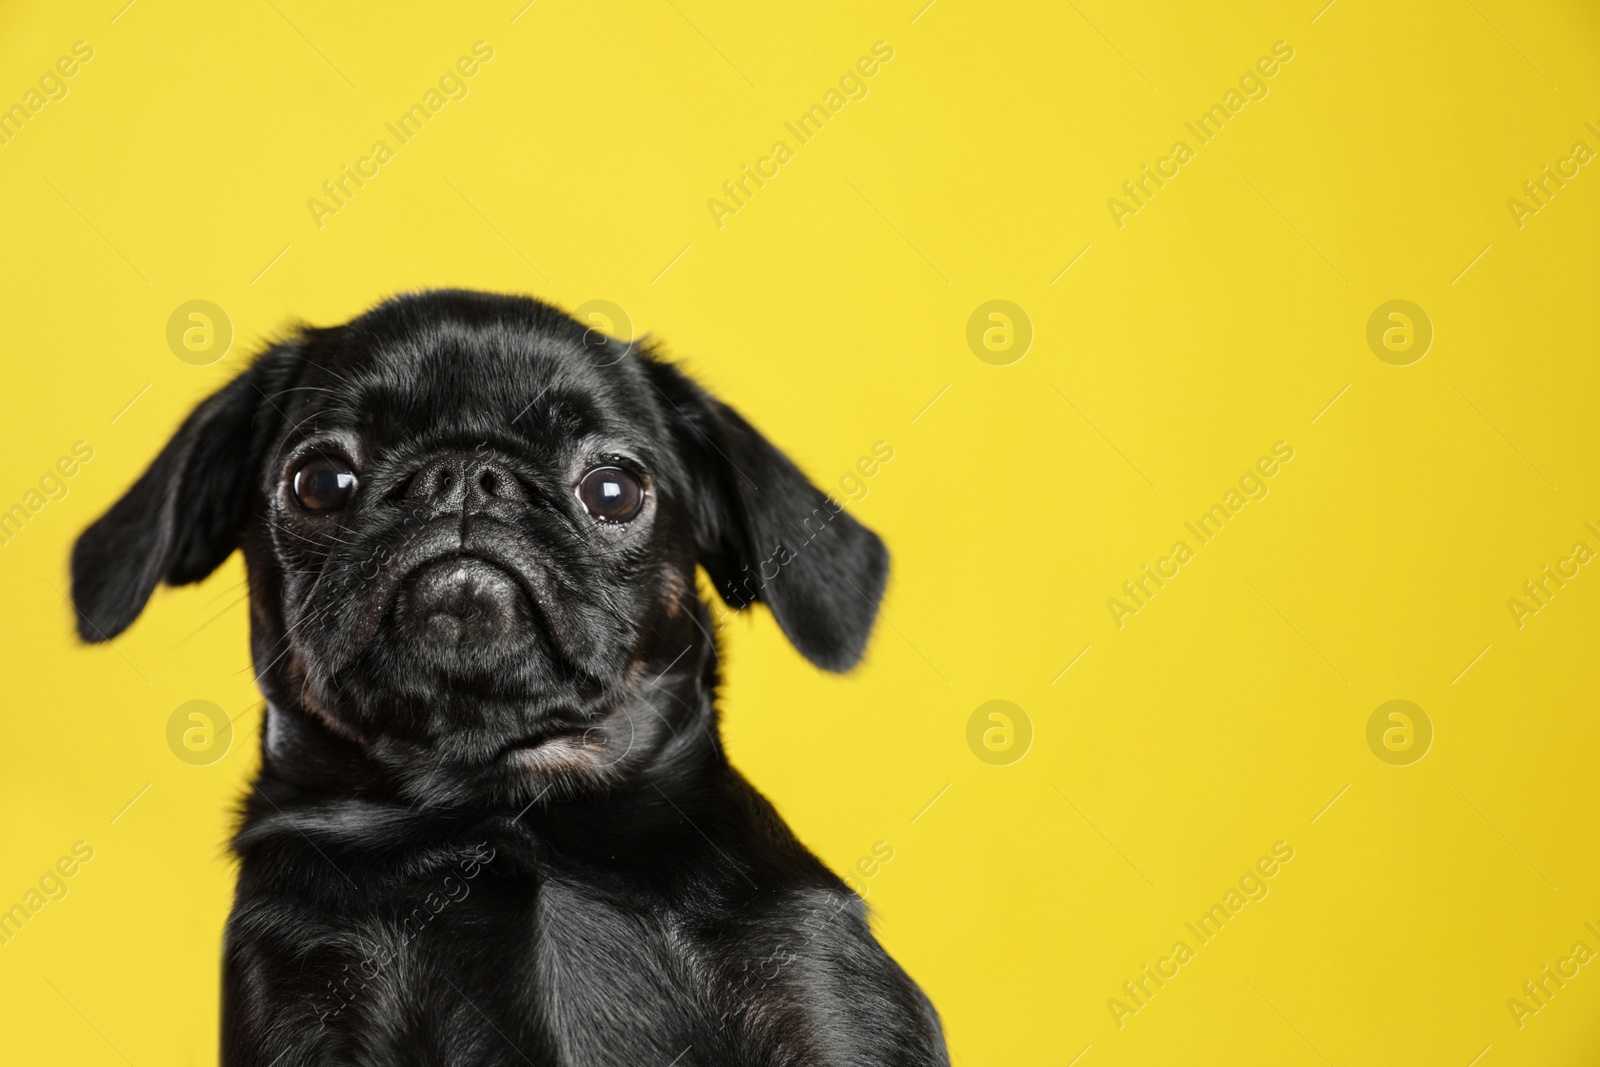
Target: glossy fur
{"points": [[510, 835]]}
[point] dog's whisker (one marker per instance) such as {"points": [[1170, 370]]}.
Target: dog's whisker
{"points": [[325, 369], [299, 536], [303, 389], [287, 640]]}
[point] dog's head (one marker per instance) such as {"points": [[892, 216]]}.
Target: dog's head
{"points": [[472, 528]]}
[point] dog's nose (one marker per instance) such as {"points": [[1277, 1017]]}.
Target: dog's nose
{"points": [[454, 482], [462, 599]]}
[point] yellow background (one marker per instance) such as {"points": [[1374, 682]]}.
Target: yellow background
{"points": [[832, 308]]}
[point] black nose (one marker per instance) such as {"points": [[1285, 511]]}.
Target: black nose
{"points": [[462, 599], [456, 481]]}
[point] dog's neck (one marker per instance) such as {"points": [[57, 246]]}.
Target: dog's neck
{"points": [[689, 785], [298, 750]]}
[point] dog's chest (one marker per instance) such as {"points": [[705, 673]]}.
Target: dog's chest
{"points": [[503, 970], [619, 985]]}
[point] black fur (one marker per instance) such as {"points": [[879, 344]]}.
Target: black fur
{"points": [[528, 847]]}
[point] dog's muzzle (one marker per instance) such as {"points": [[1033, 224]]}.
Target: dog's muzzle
{"points": [[461, 599]]}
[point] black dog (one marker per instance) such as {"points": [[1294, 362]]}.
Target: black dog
{"points": [[494, 823]]}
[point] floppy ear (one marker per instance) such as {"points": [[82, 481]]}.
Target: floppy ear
{"points": [[184, 515], [766, 533]]}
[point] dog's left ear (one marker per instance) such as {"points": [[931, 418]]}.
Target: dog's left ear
{"points": [[184, 515], [766, 533]]}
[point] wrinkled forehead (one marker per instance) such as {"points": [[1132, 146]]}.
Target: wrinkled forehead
{"points": [[451, 382]]}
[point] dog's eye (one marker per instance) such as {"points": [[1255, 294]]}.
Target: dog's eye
{"points": [[324, 483], [611, 494]]}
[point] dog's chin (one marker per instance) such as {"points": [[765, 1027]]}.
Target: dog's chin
{"points": [[558, 760], [562, 756]]}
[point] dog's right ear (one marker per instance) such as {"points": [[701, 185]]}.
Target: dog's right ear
{"points": [[184, 515]]}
